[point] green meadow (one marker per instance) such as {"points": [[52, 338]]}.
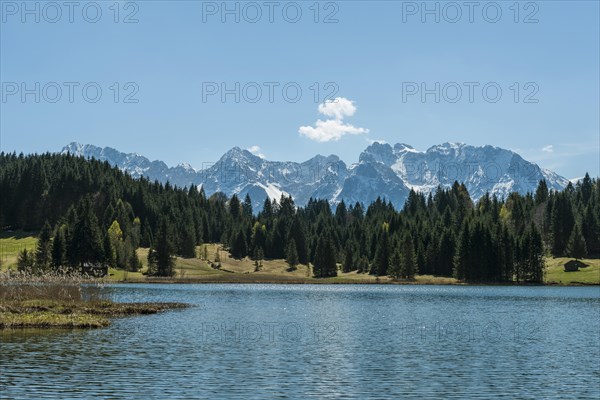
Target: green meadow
{"points": [[274, 271]]}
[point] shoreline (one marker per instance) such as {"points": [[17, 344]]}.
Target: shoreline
{"points": [[60, 314], [315, 281]]}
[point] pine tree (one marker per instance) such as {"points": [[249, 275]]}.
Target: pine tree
{"points": [[363, 265], [395, 270], [291, 255], [462, 257], [324, 265], [298, 235], [110, 255], [25, 261], [235, 207], [408, 265], [275, 244], [446, 251], [247, 207], [146, 235], [187, 245], [586, 189], [86, 244], [541, 193], [43, 254], [239, 248], [590, 228], [562, 223], [498, 243], [59, 249], [535, 259], [134, 263], [348, 263], [161, 261], [382, 253], [267, 211], [341, 213], [576, 246], [258, 238]]}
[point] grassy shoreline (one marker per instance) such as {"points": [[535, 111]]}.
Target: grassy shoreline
{"points": [[236, 271], [195, 270], [62, 304], [328, 281], [49, 314]]}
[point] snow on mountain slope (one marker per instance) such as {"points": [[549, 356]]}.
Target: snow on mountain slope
{"points": [[382, 171]]}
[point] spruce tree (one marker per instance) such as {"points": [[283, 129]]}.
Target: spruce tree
{"points": [[382, 253], [59, 249], [395, 270], [110, 254], [247, 207], [535, 257], [133, 263], [25, 261], [324, 265], [363, 265], [462, 256], [43, 254], [562, 223], [348, 263], [408, 265], [258, 238], [267, 211], [576, 246], [86, 244], [235, 207], [291, 255], [586, 189], [590, 228], [446, 251], [160, 258], [239, 248], [541, 193], [298, 235], [187, 245]]}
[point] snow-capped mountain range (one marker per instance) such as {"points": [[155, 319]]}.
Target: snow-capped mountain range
{"points": [[382, 171]]}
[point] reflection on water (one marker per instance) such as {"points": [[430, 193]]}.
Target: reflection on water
{"points": [[303, 341]]}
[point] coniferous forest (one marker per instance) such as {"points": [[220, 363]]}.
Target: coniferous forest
{"points": [[87, 212]]}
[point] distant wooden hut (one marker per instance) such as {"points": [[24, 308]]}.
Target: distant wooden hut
{"points": [[573, 265]]}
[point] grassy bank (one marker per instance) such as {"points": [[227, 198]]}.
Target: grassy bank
{"points": [[276, 271], [72, 314], [11, 243], [589, 275], [56, 300]]}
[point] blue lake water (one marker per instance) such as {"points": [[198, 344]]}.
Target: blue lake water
{"points": [[316, 341]]}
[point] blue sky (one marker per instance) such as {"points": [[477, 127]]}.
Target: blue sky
{"points": [[378, 56]]}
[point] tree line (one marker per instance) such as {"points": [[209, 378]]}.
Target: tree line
{"points": [[88, 212]]}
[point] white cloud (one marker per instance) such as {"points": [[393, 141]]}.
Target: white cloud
{"points": [[548, 149], [256, 151], [333, 129], [338, 108]]}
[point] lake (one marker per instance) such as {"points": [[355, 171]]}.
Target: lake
{"points": [[318, 341]]}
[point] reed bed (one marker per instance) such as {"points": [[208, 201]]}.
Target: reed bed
{"points": [[52, 285]]}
